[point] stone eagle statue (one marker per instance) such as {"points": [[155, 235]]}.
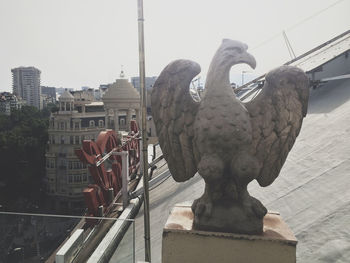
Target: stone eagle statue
{"points": [[229, 143]]}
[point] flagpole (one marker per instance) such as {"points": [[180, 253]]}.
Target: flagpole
{"points": [[144, 132]]}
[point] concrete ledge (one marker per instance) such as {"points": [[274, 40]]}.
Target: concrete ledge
{"points": [[71, 248], [109, 243], [181, 243]]}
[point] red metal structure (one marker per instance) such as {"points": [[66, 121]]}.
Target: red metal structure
{"points": [[106, 178]]}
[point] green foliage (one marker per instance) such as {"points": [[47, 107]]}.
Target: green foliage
{"points": [[50, 108], [23, 140]]}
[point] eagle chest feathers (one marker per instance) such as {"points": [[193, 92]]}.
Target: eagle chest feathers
{"points": [[222, 123]]}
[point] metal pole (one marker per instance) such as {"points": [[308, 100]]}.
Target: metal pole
{"points": [[125, 176], [144, 132], [289, 46]]}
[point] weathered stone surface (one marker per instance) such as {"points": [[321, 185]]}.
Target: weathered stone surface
{"points": [[182, 243], [229, 143]]}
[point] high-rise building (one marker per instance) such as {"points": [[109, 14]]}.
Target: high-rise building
{"points": [[26, 85], [49, 91], [149, 82]]}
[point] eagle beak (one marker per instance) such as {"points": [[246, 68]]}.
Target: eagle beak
{"points": [[249, 59]]}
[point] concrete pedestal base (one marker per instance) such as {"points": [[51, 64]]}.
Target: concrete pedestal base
{"points": [[183, 244]]}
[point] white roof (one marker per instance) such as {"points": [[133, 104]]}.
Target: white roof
{"points": [[323, 54], [318, 56]]}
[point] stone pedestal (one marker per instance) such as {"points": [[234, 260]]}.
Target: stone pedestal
{"points": [[183, 244]]}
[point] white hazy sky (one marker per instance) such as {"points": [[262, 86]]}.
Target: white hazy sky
{"points": [[84, 42]]}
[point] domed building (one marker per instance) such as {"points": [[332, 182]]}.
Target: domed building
{"points": [[122, 101], [78, 118], [66, 102]]}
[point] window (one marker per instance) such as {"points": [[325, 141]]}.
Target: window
{"points": [[70, 179], [52, 163], [70, 166], [71, 140], [77, 165], [77, 178], [62, 139], [84, 178], [63, 164], [53, 139], [62, 125], [122, 121], [77, 141], [76, 125]]}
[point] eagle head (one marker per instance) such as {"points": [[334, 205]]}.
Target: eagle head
{"points": [[235, 52]]}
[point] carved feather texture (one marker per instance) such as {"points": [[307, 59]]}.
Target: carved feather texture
{"points": [[276, 117], [174, 111]]}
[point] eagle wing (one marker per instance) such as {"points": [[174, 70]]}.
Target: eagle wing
{"points": [[276, 116], [174, 111]]}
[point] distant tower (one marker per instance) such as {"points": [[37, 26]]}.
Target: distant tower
{"points": [[26, 85]]}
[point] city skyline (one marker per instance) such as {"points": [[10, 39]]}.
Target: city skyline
{"points": [[85, 43]]}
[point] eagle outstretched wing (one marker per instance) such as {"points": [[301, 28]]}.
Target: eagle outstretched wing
{"points": [[174, 111], [276, 117]]}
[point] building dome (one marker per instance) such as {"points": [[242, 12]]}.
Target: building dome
{"points": [[122, 90], [66, 96], [122, 93], [121, 96]]}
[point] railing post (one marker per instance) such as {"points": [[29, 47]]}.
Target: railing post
{"points": [[125, 176], [154, 151]]}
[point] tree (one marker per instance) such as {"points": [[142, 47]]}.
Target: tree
{"points": [[23, 140]]}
